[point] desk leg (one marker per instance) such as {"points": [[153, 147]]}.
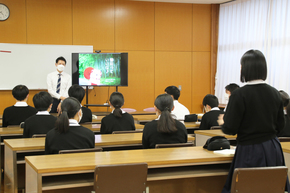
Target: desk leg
{"points": [[10, 171], [33, 182], [201, 139]]}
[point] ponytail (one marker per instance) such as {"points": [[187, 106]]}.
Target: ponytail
{"points": [[117, 112], [62, 123]]}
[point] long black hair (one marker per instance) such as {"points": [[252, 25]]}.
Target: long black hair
{"points": [[117, 101], [69, 108], [165, 124]]}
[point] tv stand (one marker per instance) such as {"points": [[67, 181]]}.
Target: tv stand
{"points": [[95, 105]]}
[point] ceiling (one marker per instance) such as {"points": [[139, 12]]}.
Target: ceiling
{"points": [[191, 1]]}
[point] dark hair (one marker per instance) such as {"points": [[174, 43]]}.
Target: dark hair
{"points": [[117, 101], [174, 91], [77, 92], [285, 98], [231, 87], [69, 108], [60, 58], [165, 124], [42, 101], [20, 92], [210, 100], [254, 66]]}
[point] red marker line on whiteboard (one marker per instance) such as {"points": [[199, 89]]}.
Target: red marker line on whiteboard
{"points": [[5, 51]]}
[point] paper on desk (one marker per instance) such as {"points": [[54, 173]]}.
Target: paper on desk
{"points": [[225, 151]]}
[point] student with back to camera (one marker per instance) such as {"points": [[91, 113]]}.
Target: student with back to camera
{"points": [[118, 120], [19, 112], [42, 122], [229, 89], [165, 129], [255, 114], [78, 92], [68, 134], [285, 99], [209, 119]]}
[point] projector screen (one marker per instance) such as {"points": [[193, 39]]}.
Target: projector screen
{"points": [[29, 64]]}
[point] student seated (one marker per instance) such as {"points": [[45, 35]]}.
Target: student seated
{"points": [[209, 119], [229, 89], [78, 92], [285, 99], [165, 129], [18, 113], [118, 120], [179, 110], [68, 134], [42, 122]]}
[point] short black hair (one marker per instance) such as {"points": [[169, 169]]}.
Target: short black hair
{"points": [[285, 98], [60, 58], [210, 100], [77, 92], [20, 92], [231, 87], [253, 66], [42, 101], [174, 91]]}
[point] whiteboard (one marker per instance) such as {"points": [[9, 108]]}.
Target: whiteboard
{"points": [[29, 64]]}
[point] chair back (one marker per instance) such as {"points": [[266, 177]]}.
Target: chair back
{"points": [[149, 109], [216, 127], [129, 131], [124, 178], [96, 149], [188, 144], [259, 180], [13, 126], [284, 139], [38, 135], [128, 110]]}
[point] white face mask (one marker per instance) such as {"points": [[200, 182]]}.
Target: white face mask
{"points": [[227, 96], [80, 117], [60, 67]]}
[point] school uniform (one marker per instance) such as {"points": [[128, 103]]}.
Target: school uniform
{"points": [[255, 114], [16, 114], [210, 118], [77, 137], [87, 115], [111, 123], [179, 111], [151, 136], [40, 123]]}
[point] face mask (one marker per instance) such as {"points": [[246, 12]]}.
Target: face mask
{"points": [[80, 117], [60, 67], [227, 96]]}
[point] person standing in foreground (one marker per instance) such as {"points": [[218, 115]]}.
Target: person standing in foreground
{"points": [[58, 83], [255, 114]]}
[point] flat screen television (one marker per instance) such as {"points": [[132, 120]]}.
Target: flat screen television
{"points": [[100, 69]]}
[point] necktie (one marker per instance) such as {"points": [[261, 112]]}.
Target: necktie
{"points": [[58, 84]]}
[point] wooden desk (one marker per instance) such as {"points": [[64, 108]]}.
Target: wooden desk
{"points": [[188, 169], [286, 152], [96, 127], [201, 136], [144, 118], [16, 149]]}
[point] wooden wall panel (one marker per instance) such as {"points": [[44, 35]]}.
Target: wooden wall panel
{"points": [[49, 22], [201, 22], [134, 27], [173, 27], [93, 23], [13, 30], [174, 68], [200, 79]]}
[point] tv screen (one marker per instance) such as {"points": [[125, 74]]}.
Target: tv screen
{"points": [[100, 69]]}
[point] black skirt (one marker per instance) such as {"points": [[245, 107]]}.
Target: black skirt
{"points": [[268, 153]]}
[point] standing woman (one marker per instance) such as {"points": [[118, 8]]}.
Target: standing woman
{"points": [[68, 134], [118, 120], [165, 129], [255, 114]]}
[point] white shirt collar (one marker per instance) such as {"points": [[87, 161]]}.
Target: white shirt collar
{"points": [[215, 109], [121, 110], [253, 82], [73, 122], [42, 113], [21, 104]]}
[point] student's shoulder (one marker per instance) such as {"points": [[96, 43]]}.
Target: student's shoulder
{"points": [[9, 108], [179, 124], [86, 130], [127, 115]]}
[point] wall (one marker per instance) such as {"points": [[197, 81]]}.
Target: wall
{"points": [[168, 43]]}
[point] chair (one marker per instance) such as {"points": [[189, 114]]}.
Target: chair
{"points": [[215, 127], [129, 110], [38, 135], [13, 126], [129, 131], [150, 109], [96, 149], [259, 180], [284, 139], [188, 144], [129, 178]]}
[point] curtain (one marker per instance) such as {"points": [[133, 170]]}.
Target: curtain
{"points": [[253, 24]]}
